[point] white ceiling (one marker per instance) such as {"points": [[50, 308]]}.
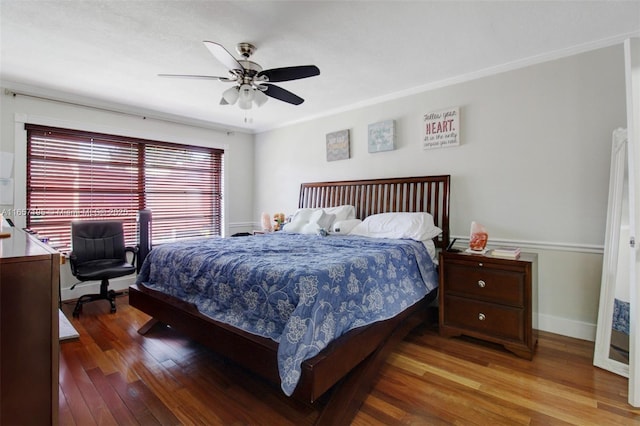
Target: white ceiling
{"points": [[110, 52]]}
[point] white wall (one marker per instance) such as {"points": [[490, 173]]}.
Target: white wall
{"points": [[238, 167], [533, 167]]}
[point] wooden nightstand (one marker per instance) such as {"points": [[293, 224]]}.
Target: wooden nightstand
{"points": [[490, 298]]}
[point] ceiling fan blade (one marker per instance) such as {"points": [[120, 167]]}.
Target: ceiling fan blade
{"points": [[282, 94], [290, 73], [223, 55], [199, 77]]}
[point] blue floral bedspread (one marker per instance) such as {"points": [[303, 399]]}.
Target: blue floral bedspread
{"points": [[302, 291]]}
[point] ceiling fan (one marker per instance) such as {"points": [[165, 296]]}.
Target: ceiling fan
{"points": [[253, 84]]}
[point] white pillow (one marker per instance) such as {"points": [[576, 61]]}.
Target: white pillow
{"points": [[294, 226], [302, 215], [310, 228], [309, 221], [431, 249], [344, 226], [299, 220], [323, 219], [343, 212], [417, 226]]}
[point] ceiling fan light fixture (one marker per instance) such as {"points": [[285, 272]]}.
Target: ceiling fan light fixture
{"points": [[243, 104], [231, 95], [259, 97], [246, 93]]}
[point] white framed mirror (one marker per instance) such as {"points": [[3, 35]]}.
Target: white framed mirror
{"points": [[613, 329], [632, 82]]}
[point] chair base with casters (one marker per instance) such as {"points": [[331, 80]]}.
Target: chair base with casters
{"points": [[102, 271], [105, 293], [99, 254]]}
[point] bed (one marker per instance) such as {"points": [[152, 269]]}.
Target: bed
{"points": [[342, 369]]}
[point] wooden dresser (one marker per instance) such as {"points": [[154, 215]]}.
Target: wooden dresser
{"points": [[489, 298], [29, 279]]}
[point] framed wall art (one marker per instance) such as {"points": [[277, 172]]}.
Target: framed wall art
{"points": [[338, 145], [441, 128], [382, 136]]}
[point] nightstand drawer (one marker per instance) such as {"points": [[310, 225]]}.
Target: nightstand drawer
{"points": [[485, 283], [495, 320]]}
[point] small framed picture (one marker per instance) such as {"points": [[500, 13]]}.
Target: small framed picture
{"points": [[441, 129], [382, 136], [338, 145]]}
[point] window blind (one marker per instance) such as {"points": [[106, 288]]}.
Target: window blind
{"points": [[75, 175]]}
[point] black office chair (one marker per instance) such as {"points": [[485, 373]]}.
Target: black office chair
{"points": [[99, 253]]}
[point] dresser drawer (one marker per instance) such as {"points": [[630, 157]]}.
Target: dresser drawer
{"points": [[485, 283], [495, 320]]}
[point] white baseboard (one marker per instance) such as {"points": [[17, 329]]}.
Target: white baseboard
{"points": [[567, 327]]}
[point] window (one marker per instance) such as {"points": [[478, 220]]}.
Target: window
{"points": [[74, 175]]}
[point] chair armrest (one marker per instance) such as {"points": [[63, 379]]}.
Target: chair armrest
{"points": [[73, 262], [134, 251]]}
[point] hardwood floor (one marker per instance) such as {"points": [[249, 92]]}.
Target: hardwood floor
{"points": [[112, 375]]}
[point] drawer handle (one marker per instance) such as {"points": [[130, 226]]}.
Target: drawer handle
{"points": [[481, 316], [481, 283], [480, 264]]}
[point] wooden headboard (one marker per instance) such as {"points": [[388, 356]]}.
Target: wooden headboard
{"points": [[370, 196]]}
